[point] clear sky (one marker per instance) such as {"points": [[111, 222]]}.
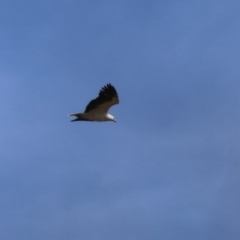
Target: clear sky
{"points": [[169, 168]]}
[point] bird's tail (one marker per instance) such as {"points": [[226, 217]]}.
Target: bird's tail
{"points": [[76, 119], [75, 115], [80, 117]]}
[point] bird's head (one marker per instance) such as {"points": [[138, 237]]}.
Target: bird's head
{"points": [[110, 117]]}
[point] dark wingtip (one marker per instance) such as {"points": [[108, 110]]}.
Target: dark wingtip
{"points": [[108, 89]]}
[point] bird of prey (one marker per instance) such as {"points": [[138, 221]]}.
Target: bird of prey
{"points": [[97, 109]]}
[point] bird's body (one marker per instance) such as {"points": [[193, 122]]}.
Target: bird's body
{"points": [[97, 109], [92, 117]]}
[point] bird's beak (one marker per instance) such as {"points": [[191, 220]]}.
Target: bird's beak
{"points": [[115, 120]]}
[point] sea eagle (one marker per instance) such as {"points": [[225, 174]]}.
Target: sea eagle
{"points": [[97, 109]]}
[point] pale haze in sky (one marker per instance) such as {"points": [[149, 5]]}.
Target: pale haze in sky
{"points": [[168, 169]]}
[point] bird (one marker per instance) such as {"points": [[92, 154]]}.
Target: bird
{"points": [[97, 109]]}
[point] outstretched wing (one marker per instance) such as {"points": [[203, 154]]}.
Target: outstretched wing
{"points": [[107, 97]]}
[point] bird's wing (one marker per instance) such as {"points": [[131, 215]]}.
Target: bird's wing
{"points": [[107, 97]]}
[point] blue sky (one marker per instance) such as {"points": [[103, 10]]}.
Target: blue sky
{"points": [[168, 169]]}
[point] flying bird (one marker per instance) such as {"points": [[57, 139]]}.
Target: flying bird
{"points": [[97, 109]]}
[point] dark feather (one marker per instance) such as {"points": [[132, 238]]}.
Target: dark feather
{"points": [[80, 119], [106, 94]]}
